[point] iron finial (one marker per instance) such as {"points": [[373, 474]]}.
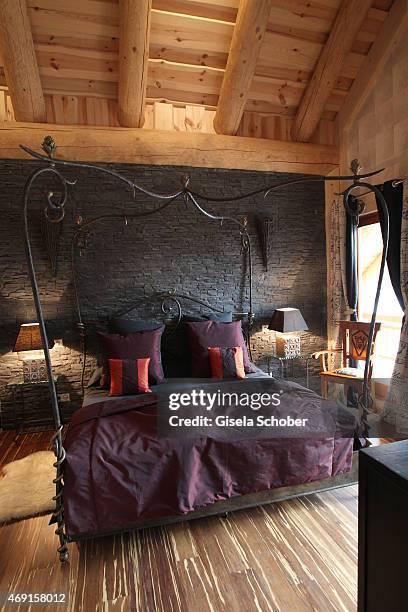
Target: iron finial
{"points": [[49, 146], [355, 167], [185, 181]]}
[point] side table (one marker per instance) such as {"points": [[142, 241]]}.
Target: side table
{"points": [[20, 390], [284, 361]]}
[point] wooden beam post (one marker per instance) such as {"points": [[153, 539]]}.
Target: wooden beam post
{"points": [[393, 31], [134, 34], [20, 62], [247, 38], [346, 26], [162, 148]]}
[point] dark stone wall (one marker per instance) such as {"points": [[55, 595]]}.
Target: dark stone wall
{"points": [[175, 249]]}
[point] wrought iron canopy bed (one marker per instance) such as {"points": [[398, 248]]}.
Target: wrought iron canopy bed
{"points": [[55, 211]]}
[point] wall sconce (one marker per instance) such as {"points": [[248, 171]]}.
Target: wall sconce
{"points": [[29, 341], [264, 226], [286, 321]]}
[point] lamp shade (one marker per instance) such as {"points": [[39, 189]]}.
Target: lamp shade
{"points": [[28, 338], [286, 320]]}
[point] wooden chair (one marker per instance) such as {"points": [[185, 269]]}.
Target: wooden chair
{"points": [[354, 337]]}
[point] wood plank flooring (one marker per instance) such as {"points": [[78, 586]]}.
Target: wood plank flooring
{"points": [[292, 556]]}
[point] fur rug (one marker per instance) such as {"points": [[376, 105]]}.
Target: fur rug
{"points": [[26, 487]]}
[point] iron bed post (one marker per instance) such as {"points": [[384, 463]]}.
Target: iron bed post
{"points": [[59, 452], [365, 400]]}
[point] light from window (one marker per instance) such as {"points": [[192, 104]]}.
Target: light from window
{"points": [[389, 312]]}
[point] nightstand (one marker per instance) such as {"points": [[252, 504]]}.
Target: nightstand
{"points": [[31, 405], [288, 362]]}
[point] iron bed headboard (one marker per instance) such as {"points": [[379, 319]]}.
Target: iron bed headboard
{"points": [[55, 211], [170, 303]]}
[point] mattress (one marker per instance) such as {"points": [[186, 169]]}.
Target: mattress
{"points": [[120, 472]]}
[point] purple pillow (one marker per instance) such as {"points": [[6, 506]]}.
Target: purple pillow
{"points": [[212, 333], [136, 345]]}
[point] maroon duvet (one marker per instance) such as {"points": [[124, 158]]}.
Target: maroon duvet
{"points": [[118, 473]]}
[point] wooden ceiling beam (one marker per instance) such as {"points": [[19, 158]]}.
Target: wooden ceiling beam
{"points": [[134, 35], [20, 62], [156, 147], [346, 26], [247, 38], [392, 33]]}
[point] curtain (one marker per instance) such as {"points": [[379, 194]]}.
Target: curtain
{"points": [[394, 199], [396, 405], [336, 285]]}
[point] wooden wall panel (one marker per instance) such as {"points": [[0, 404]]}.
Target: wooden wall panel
{"points": [[278, 127], [6, 106], [378, 135], [87, 110]]}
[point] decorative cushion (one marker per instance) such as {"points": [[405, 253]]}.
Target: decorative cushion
{"points": [[127, 325], [176, 354], [356, 372], [136, 345], [226, 362], [129, 376], [211, 333]]}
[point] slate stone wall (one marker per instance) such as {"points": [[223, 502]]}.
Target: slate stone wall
{"points": [[125, 264]]}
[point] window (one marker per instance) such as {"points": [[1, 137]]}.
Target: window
{"points": [[389, 312]]}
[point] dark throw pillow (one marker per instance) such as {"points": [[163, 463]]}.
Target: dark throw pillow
{"points": [[127, 325], [129, 376], [226, 362], [211, 333], [136, 345]]}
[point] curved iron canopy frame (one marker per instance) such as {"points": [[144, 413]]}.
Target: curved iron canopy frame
{"points": [[55, 211]]}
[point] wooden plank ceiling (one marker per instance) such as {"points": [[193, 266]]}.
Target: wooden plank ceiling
{"points": [[76, 44]]}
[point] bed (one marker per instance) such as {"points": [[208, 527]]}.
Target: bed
{"points": [[120, 475], [83, 470]]}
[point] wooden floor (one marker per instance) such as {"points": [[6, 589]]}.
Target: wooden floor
{"points": [[291, 556]]}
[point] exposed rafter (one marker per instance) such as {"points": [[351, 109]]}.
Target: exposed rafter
{"points": [[247, 38], [393, 31], [20, 62], [161, 147], [348, 22], [134, 34]]}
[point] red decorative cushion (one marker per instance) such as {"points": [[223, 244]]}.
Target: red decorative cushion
{"points": [[226, 362], [128, 376], [136, 345], [212, 333]]}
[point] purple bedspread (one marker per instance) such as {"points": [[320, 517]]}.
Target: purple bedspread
{"points": [[118, 473]]}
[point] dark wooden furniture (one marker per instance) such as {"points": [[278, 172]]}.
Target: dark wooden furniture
{"points": [[383, 528], [354, 340]]}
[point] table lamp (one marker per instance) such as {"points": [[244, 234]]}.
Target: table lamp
{"points": [[29, 341], [286, 321]]}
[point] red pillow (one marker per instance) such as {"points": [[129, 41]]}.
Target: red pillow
{"points": [[212, 333], [128, 376], [226, 362], [136, 345]]}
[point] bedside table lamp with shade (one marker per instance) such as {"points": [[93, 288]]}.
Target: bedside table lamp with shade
{"points": [[287, 321], [29, 341]]}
